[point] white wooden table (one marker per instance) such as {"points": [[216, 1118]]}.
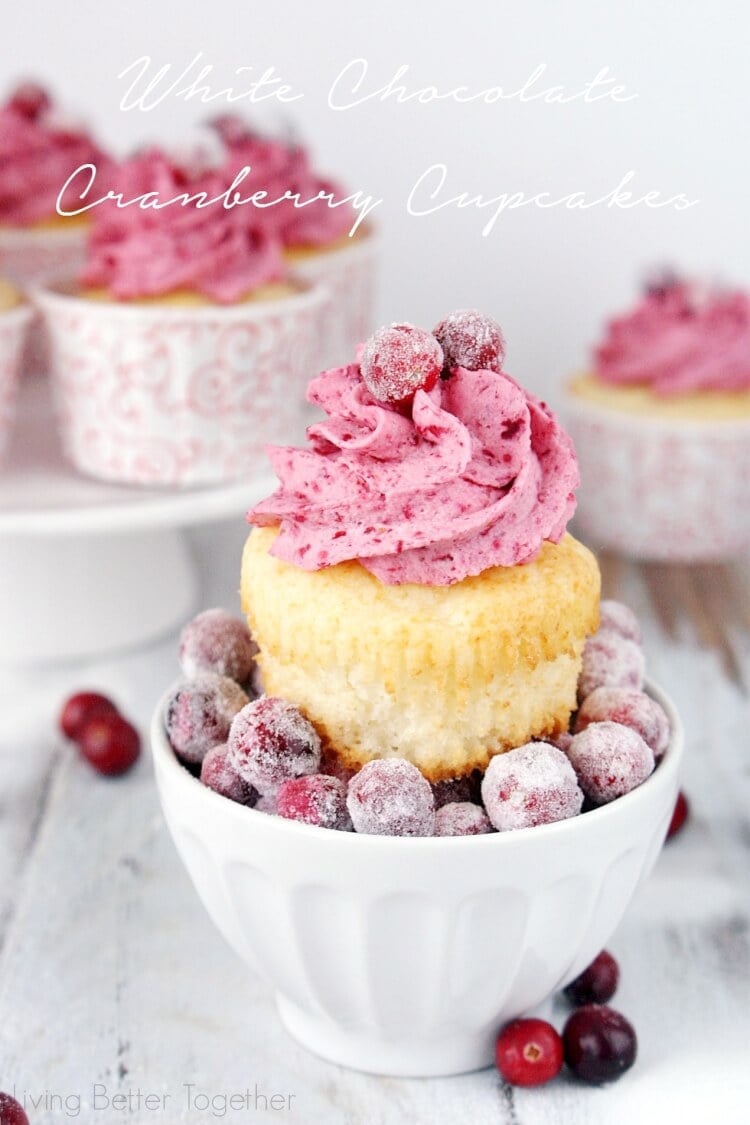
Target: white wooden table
{"points": [[114, 982]]}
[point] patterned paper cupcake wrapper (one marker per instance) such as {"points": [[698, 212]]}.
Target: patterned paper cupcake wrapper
{"points": [[13, 328]]}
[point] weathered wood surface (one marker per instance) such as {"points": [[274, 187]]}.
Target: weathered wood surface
{"points": [[112, 974]]}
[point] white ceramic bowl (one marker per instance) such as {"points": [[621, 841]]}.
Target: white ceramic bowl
{"points": [[14, 325], [654, 488], [405, 956], [161, 394]]}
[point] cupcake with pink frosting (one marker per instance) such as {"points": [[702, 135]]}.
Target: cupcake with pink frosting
{"points": [[411, 585], [180, 347], [662, 426], [319, 239]]}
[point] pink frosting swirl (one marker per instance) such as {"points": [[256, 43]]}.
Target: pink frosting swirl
{"points": [[680, 338], [477, 474], [277, 167], [38, 152], [139, 252]]}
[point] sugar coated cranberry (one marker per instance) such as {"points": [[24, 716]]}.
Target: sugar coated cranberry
{"points": [[267, 803], [633, 709], [216, 641], [30, 99], [109, 743], [390, 797], [400, 360], [562, 741], [615, 617], [466, 788], [317, 800], [610, 660], [599, 1043], [11, 1112], [332, 766], [528, 1052], [79, 708], [461, 818], [533, 784], [271, 741], [218, 773], [199, 714], [679, 816], [609, 760], [471, 340], [596, 984]]}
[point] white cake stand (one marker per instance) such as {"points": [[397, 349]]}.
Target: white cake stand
{"points": [[88, 567]]}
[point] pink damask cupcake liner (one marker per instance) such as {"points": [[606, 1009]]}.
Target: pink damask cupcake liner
{"points": [[177, 395], [349, 274], [676, 491], [13, 327]]}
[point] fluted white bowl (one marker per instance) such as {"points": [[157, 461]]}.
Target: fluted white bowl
{"points": [[405, 956]]}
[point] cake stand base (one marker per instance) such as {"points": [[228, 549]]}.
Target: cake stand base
{"points": [[70, 597]]}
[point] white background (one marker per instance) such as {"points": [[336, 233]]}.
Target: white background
{"points": [[550, 276]]}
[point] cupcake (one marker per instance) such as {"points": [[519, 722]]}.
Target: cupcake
{"points": [[178, 350], [411, 585], [15, 315], [661, 425], [317, 238]]}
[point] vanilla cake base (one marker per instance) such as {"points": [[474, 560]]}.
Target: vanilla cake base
{"points": [[443, 676]]}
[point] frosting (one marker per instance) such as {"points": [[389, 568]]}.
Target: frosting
{"points": [[37, 156], [140, 252], [474, 473], [277, 167], [680, 338]]}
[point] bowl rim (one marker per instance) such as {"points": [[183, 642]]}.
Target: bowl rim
{"points": [[572, 403], [52, 293], [665, 771]]}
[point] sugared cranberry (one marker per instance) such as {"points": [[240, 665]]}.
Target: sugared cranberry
{"points": [[80, 708], [199, 714], [11, 1113], [528, 1052], [400, 360], [679, 816], [599, 1043], [533, 784], [562, 741], [218, 773], [615, 617], [610, 760], [471, 340], [610, 660], [596, 984], [633, 709], [332, 766], [271, 741], [109, 743], [267, 803], [461, 818], [390, 797], [317, 800], [216, 641], [30, 99], [467, 788]]}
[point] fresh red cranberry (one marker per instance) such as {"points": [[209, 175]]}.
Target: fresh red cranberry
{"points": [[610, 660], [596, 984], [218, 773], [11, 1113], [30, 99], [615, 617], [390, 797], [633, 709], [610, 760], [80, 708], [199, 714], [528, 1052], [599, 1043], [471, 340], [398, 361], [271, 741], [216, 641], [109, 743], [317, 800], [461, 818], [533, 784], [679, 816]]}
